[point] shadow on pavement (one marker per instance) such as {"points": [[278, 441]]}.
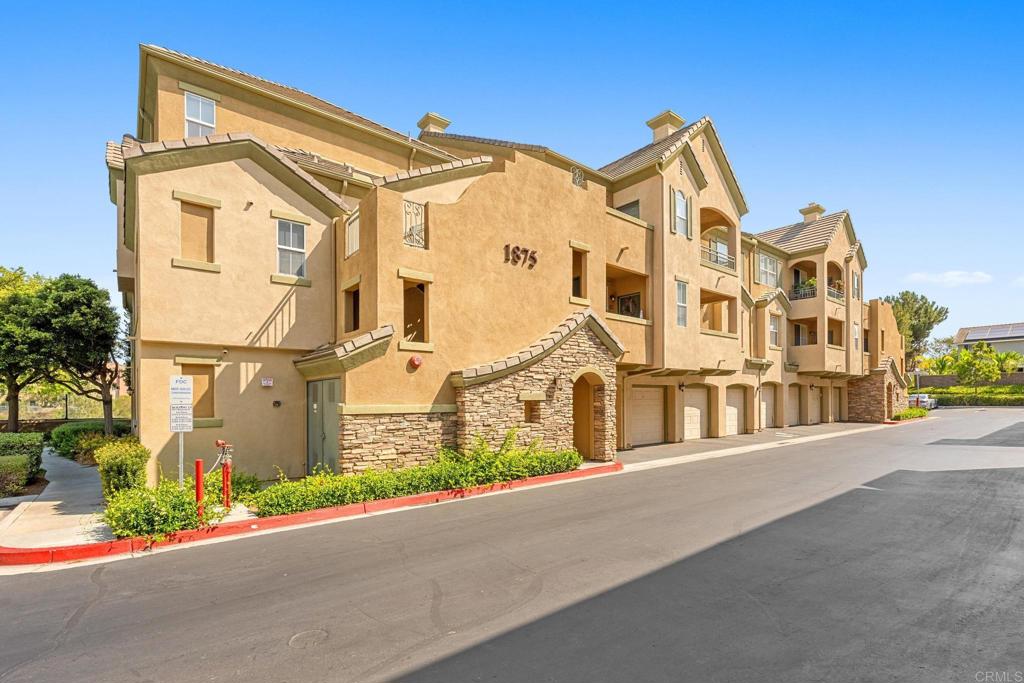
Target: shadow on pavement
{"points": [[1012, 437], [918, 580]]}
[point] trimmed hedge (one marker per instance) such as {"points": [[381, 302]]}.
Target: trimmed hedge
{"points": [[64, 438], [989, 389], [156, 512], [122, 465], [910, 414], [451, 470], [980, 399], [14, 473], [29, 445]]}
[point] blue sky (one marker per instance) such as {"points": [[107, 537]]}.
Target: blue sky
{"points": [[908, 114]]}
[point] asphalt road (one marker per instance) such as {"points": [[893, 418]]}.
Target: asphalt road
{"points": [[894, 555]]}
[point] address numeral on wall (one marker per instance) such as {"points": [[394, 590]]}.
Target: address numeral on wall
{"points": [[520, 256]]}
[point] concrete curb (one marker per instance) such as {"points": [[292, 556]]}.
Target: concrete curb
{"points": [[124, 546]]}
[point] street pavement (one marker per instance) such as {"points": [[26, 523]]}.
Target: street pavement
{"points": [[890, 555]]}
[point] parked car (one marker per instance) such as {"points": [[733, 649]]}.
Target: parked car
{"points": [[922, 401]]}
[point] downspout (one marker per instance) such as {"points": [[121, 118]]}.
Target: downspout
{"points": [[334, 278], [412, 155]]}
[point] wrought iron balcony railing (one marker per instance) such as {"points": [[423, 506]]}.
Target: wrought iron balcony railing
{"points": [[836, 293], [803, 292], [710, 256]]}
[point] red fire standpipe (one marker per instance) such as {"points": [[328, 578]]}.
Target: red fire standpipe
{"points": [[225, 483], [199, 486]]}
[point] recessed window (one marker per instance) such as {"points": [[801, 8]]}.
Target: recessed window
{"points": [[196, 232], [352, 309], [681, 222], [631, 209], [768, 270], [291, 248], [579, 273], [415, 312], [532, 410], [200, 115], [202, 389], [681, 292], [773, 330], [352, 236]]}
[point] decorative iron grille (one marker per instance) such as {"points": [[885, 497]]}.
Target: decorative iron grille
{"points": [[415, 229]]}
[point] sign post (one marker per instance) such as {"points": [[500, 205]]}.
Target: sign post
{"points": [[181, 416]]}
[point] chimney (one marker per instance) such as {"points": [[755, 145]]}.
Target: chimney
{"points": [[432, 123], [665, 123], [812, 212]]}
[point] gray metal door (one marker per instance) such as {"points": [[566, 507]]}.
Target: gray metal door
{"points": [[322, 424]]}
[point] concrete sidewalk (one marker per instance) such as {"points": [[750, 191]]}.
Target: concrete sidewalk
{"points": [[643, 454], [65, 513]]}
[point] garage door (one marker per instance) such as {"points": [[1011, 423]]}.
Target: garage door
{"points": [[647, 412], [734, 415], [767, 406], [814, 406], [793, 405], [695, 413]]}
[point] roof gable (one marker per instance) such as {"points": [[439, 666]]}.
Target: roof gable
{"points": [[801, 237]]}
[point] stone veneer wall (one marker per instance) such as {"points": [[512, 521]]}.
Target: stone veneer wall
{"points": [[492, 408], [865, 396], [392, 440]]}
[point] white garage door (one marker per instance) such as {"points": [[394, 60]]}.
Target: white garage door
{"points": [[814, 406], [793, 405], [695, 413], [734, 414], [647, 411], [767, 406]]}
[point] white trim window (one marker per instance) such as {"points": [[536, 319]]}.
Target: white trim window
{"points": [[291, 248], [773, 330], [352, 235], [681, 291], [856, 334], [768, 270], [200, 115], [681, 220]]}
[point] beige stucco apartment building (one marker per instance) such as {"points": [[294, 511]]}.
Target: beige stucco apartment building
{"points": [[347, 296]]}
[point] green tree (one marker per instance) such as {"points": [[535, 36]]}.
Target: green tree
{"points": [[916, 317], [942, 346], [87, 356], [938, 365], [1009, 361], [25, 351], [976, 366]]}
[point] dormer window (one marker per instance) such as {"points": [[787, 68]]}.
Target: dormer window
{"points": [[200, 115]]}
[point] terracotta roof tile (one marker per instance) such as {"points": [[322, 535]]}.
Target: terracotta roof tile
{"points": [[648, 154], [803, 236]]}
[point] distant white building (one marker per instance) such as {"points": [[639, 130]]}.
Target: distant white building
{"points": [[1003, 337]]}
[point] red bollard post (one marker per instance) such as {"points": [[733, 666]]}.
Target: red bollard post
{"points": [[225, 483], [199, 486]]}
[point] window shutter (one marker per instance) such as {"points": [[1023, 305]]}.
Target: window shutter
{"points": [[689, 219], [757, 267], [671, 209]]}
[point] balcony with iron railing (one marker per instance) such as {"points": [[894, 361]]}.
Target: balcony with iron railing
{"points": [[716, 258], [803, 292], [835, 293]]}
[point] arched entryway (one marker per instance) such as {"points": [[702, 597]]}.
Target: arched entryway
{"points": [[588, 413]]}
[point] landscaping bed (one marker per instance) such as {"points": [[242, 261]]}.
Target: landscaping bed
{"points": [[910, 414], [21, 459], [994, 395]]}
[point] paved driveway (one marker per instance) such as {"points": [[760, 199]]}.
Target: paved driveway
{"points": [[871, 557]]}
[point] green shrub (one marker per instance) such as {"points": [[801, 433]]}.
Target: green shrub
{"points": [[243, 487], [122, 465], [910, 414], [88, 443], [64, 438], [156, 512], [991, 390], [452, 469], [28, 444], [980, 400], [14, 473]]}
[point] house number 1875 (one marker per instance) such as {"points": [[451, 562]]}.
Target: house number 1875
{"points": [[520, 256]]}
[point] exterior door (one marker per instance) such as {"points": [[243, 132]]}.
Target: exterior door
{"points": [[767, 406], [322, 398], [793, 405], [695, 413], [648, 423], [814, 406], [735, 418]]}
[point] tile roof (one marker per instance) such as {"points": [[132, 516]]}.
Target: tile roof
{"points": [[541, 348], [486, 141], [803, 236], [430, 170], [349, 347], [130, 148], [301, 97], [327, 166], [648, 154]]}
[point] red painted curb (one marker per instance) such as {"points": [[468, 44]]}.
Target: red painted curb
{"points": [[69, 553]]}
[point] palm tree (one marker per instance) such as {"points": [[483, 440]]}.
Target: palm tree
{"points": [[1009, 361], [939, 365]]}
